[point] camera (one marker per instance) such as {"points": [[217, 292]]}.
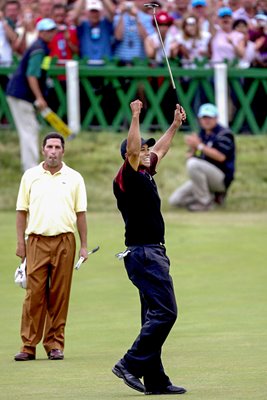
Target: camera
{"points": [[28, 17], [61, 27], [129, 5]]}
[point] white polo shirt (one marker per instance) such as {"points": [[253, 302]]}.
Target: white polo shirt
{"points": [[51, 201]]}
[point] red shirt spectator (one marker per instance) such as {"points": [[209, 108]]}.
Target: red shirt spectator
{"points": [[65, 43]]}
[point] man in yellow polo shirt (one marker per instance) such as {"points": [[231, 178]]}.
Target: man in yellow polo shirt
{"points": [[51, 203]]}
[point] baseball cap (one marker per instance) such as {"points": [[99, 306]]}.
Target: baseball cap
{"points": [[163, 18], [207, 110], [196, 3], [225, 12], [94, 5], [150, 142], [261, 15], [46, 24], [190, 20]]}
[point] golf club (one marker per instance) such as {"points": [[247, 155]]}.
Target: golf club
{"points": [[81, 259], [154, 6]]}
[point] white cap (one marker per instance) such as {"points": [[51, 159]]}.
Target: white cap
{"points": [[261, 16], [94, 5], [46, 24], [207, 110]]}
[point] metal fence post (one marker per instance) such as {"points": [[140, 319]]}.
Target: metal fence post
{"points": [[73, 95], [221, 92]]}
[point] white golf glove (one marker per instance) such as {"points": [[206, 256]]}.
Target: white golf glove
{"points": [[20, 275]]}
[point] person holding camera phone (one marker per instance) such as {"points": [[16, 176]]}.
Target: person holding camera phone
{"points": [[131, 26], [64, 44], [27, 33]]}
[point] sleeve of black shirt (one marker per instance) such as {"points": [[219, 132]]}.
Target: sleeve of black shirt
{"points": [[224, 143]]}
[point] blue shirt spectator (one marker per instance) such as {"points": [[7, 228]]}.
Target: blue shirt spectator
{"points": [[95, 42], [95, 30]]}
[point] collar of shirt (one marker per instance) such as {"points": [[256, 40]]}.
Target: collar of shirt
{"points": [[45, 171]]}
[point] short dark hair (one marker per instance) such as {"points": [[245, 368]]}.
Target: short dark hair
{"points": [[59, 6], [54, 135], [8, 2], [238, 22], [150, 142]]}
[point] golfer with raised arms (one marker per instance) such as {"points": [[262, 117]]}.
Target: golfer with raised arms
{"points": [[145, 259]]}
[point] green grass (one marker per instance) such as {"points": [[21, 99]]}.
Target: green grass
{"points": [[217, 348], [96, 156]]}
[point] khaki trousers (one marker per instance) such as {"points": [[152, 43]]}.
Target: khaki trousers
{"points": [[28, 130], [49, 274], [205, 180]]}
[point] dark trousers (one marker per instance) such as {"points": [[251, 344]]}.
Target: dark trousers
{"points": [[148, 269]]}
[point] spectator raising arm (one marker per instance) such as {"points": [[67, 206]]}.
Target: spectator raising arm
{"points": [[133, 13], [10, 33], [109, 8], [78, 9]]}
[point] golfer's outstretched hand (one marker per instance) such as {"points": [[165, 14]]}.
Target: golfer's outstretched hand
{"points": [[179, 115]]}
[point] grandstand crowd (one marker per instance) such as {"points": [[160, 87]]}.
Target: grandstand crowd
{"points": [[193, 31]]}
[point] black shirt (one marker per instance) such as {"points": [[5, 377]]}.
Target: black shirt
{"points": [[221, 139], [139, 203]]}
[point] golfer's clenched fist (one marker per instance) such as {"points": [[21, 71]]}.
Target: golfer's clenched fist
{"points": [[136, 107]]}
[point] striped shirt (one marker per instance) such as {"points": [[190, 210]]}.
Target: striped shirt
{"points": [[132, 44]]}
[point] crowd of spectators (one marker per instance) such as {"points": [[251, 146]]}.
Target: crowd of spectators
{"points": [[97, 30]]}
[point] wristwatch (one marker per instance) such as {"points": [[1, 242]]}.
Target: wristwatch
{"points": [[200, 146]]}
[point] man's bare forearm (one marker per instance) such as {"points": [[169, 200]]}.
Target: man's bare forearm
{"points": [[35, 88], [163, 144], [82, 228], [21, 223], [134, 137]]}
